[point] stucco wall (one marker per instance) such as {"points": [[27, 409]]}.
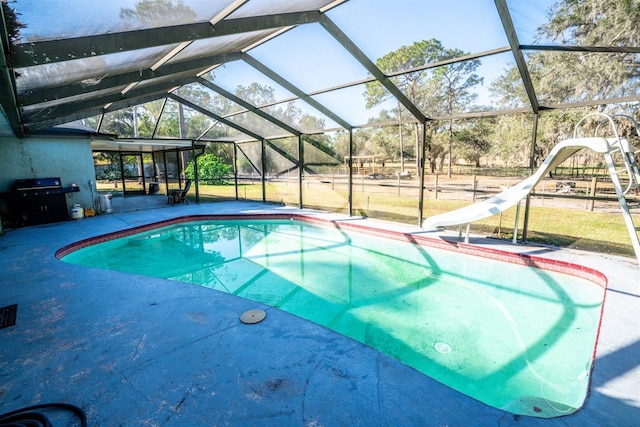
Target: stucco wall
{"points": [[69, 159]]}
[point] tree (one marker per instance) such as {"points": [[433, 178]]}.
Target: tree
{"points": [[473, 139], [384, 140], [443, 91], [158, 13], [508, 90], [455, 82], [589, 75], [411, 84], [13, 25], [403, 59], [256, 94], [118, 122], [563, 77], [341, 142], [211, 169]]}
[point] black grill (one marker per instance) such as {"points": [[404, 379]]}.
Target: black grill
{"points": [[41, 200]]}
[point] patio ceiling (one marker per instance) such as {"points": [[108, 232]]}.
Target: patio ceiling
{"points": [[54, 74]]}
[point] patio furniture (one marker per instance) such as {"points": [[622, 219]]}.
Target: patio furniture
{"points": [[179, 195]]}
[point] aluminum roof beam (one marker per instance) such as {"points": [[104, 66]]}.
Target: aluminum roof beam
{"points": [[512, 36], [119, 105], [355, 51], [95, 106], [214, 116], [297, 92], [35, 53], [8, 95], [595, 49], [196, 66], [248, 106], [239, 128]]}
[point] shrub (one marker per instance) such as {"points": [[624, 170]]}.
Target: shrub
{"points": [[210, 169]]}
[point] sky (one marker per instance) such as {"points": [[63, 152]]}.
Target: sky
{"points": [[309, 57]]}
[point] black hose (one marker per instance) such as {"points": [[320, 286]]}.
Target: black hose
{"points": [[26, 417]]}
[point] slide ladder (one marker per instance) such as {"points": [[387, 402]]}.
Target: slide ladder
{"points": [[627, 171]]}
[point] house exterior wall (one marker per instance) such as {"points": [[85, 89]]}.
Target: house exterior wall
{"points": [[70, 159]]}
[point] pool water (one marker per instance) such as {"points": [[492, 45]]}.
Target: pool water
{"points": [[517, 338]]}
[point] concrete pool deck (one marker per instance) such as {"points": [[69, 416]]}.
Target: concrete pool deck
{"points": [[133, 350]]}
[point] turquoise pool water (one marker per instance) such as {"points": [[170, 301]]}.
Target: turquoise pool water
{"points": [[517, 338]]}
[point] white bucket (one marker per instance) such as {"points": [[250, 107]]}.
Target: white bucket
{"points": [[105, 203], [77, 212]]}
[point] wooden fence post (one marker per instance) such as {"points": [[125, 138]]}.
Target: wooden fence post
{"points": [[474, 187], [594, 182]]}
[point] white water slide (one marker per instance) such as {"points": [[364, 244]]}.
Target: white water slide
{"points": [[560, 153]]}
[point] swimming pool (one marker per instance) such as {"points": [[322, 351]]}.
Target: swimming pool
{"points": [[514, 337]]}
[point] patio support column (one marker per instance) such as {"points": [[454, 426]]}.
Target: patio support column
{"points": [[421, 163], [166, 178], [235, 167], [532, 159], [179, 166], [263, 170], [300, 169], [195, 170], [121, 172], [350, 180]]}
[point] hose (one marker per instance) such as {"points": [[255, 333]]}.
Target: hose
{"points": [[26, 417]]}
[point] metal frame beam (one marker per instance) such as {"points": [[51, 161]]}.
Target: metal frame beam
{"points": [[296, 91], [512, 36], [33, 53], [83, 114], [213, 115], [597, 49], [355, 51], [196, 66], [214, 87], [75, 110], [8, 94], [49, 51], [617, 100], [8, 99], [239, 128]]}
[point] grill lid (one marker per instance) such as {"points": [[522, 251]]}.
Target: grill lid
{"points": [[37, 184]]}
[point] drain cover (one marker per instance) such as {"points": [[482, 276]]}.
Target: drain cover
{"points": [[442, 347], [253, 316], [8, 315]]}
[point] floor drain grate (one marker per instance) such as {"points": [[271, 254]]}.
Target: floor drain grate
{"points": [[8, 315]]}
